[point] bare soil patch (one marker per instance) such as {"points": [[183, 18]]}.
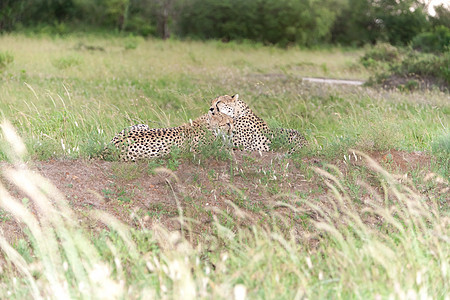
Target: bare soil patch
{"points": [[142, 196], [414, 82]]}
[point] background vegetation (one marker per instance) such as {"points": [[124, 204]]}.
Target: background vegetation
{"points": [[286, 22]]}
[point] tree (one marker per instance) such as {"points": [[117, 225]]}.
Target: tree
{"points": [[368, 21], [29, 12], [281, 22], [117, 12], [10, 14], [442, 17], [401, 21], [163, 12], [356, 24]]}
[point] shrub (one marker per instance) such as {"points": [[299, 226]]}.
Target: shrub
{"points": [[67, 61], [132, 42], [382, 52], [6, 58], [436, 41], [425, 66], [409, 68]]}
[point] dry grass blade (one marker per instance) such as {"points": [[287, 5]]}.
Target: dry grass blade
{"points": [[21, 265], [18, 150], [122, 229]]}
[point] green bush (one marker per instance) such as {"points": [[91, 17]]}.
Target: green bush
{"points": [[132, 42], [379, 54], [436, 41], [6, 58], [382, 52], [425, 66], [409, 66], [67, 61]]}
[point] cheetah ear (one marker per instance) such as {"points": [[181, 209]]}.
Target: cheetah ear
{"points": [[235, 97]]}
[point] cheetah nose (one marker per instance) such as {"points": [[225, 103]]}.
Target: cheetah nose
{"points": [[211, 110]]}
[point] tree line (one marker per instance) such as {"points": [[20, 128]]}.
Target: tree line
{"points": [[281, 22]]}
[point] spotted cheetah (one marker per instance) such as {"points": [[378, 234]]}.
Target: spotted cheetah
{"points": [[140, 141], [250, 132]]}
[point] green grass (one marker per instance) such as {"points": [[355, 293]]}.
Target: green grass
{"points": [[68, 101], [299, 248], [6, 58], [377, 235]]}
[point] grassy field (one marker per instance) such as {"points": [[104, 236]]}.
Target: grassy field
{"points": [[324, 223], [63, 93]]}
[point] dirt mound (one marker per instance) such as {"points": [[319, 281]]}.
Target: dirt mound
{"points": [[140, 195]]}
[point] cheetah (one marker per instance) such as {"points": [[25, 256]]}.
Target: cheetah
{"points": [[250, 132], [141, 142]]}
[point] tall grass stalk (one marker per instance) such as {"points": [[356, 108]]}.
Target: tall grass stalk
{"points": [[396, 245]]}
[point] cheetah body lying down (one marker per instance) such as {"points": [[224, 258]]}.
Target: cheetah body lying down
{"points": [[140, 141], [249, 131]]}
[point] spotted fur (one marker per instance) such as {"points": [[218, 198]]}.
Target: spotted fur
{"points": [[250, 132], [140, 141]]}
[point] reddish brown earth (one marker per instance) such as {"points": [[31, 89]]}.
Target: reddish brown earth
{"points": [[142, 197]]}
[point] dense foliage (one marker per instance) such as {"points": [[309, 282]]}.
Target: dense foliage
{"points": [[267, 21], [437, 40], [368, 21], [282, 22], [408, 68]]}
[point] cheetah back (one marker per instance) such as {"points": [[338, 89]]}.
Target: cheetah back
{"points": [[140, 141]]}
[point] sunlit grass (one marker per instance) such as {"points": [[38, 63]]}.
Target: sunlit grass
{"points": [[154, 59], [67, 100], [397, 246]]}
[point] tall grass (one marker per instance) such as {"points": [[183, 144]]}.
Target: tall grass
{"points": [[396, 245], [69, 100]]}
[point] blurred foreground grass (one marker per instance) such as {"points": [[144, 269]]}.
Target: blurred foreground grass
{"points": [[394, 246]]}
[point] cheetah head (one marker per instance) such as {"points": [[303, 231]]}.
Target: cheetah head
{"points": [[220, 123], [229, 105]]}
